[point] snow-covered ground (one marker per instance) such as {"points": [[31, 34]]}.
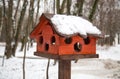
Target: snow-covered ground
{"points": [[106, 67]]}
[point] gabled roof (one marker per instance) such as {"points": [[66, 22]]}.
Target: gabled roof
{"points": [[43, 19], [68, 26]]}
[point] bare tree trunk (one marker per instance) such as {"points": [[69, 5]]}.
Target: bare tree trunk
{"points": [[47, 71], [54, 7], [36, 19], [4, 23], [38, 6], [68, 6], [19, 26], [16, 11], [102, 22], [24, 62], [80, 7], [108, 24], [29, 24], [15, 18], [58, 6], [118, 38], [8, 27], [61, 9], [92, 11], [0, 20], [23, 42]]}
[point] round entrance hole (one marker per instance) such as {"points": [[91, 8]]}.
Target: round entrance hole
{"points": [[77, 47], [46, 47], [87, 40], [41, 40], [53, 40], [68, 40]]}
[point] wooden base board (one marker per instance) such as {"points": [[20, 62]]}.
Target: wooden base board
{"points": [[66, 57]]}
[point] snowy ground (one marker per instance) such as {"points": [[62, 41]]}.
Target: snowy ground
{"points": [[106, 67]]}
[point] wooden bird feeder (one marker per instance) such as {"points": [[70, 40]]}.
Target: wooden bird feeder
{"points": [[54, 45]]}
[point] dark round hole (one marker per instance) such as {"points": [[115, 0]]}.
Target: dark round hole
{"points": [[40, 33], [87, 40], [68, 40], [41, 40], [77, 47], [53, 40], [46, 47]]}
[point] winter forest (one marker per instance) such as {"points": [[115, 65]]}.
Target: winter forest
{"points": [[19, 17]]}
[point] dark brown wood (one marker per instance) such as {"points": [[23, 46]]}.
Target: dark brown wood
{"points": [[46, 55], [64, 69], [79, 56], [66, 57]]}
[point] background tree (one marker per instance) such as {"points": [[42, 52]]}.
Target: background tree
{"points": [[92, 11], [19, 26], [107, 13], [78, 8], [0, 20], [60, 8], [68, 7], [8, 21], [29, 24]]}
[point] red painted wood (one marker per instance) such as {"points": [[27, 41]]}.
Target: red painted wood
{"points": [[39, 26], [44, 29], [69, 48]]}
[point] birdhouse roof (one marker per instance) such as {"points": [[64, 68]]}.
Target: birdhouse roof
{"points": [[69, 25]]}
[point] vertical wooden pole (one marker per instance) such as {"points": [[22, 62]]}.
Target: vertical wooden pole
{"points": [[64, 69]]}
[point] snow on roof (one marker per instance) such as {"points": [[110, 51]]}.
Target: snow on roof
{"points": [[69, 25]]}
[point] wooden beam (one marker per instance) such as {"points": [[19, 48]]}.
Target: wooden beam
{"points": [[66, 57], [78, 56]]}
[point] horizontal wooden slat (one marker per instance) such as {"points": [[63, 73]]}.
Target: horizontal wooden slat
{"points": [[66, 57]]}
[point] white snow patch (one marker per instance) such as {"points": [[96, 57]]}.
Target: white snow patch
{"points": [[72, 24], [112, 52]]}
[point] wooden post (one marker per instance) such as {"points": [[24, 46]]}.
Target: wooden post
{"points": [[64, 69]]}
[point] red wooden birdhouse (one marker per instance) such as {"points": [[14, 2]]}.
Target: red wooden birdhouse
{"points": [[62, 36]]}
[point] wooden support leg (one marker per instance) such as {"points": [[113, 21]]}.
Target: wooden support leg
{"points": [[64, 69]]}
